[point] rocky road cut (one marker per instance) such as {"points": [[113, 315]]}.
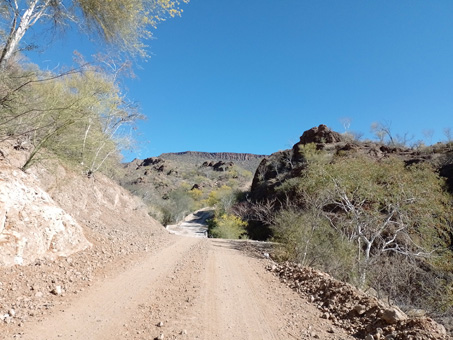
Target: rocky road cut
{"points": [[193, 288]]}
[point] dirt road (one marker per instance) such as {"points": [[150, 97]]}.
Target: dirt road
{"points": [[194, 288], [193, 225]]}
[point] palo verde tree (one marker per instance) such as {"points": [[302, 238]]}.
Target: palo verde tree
{"points": [[383, 207], [81, 115], [121, 23], [105, 120], [383, 133]]}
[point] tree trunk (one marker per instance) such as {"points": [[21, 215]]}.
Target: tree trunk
{"points": [[16, 34], [367, 261]]}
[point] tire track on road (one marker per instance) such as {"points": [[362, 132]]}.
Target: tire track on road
{"points": [[234, 310], [101, 311]]}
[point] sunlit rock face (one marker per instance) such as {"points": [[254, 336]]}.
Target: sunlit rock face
{"points": [[32, 225]]}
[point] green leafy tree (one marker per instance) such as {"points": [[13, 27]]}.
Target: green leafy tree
{"points": [[121, 23], [104, 128], [222, 198], [227, 226]]}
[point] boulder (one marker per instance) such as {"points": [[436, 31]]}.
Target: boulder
{"points": [[393, 315], [360, 309], [323, 137], [320, 134]]}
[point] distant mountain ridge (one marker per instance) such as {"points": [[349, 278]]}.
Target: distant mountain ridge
{"points": [[247, 161], [224, 156]]}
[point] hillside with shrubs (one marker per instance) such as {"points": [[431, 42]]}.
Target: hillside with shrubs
{"points": [[175, 184], [375, 214]]}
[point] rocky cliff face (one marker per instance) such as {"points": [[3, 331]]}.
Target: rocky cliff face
{"points": [[225, 156], [246, 161]]}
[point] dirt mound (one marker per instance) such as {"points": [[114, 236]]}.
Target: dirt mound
{"points": [[360, 314]]}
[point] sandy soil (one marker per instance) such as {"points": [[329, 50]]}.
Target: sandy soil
{"points": [[193, 288]]}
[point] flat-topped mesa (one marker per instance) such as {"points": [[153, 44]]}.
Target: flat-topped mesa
{"points": [[227, 156]]}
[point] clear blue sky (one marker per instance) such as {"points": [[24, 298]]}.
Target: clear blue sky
{"points": [[251, 76]]}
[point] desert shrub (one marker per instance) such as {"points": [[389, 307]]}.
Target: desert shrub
{"points": [[385, 207], [408, 282], [222, 199], [232, 183], [312, 155], [396, 217], [156, 212], [307, 238], [196, 194], [178, 205], [227, 226], [238, 172]]}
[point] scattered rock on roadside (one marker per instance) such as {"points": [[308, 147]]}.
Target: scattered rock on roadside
{"points": [[57, 291], [393, 315], [358, 313]]}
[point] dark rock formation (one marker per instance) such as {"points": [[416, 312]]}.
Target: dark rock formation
{"points": [[272, 171], [321, 134], [280, 166], [151, 161], [283, 165], [246, 161], [446, 169], [218, 166]]}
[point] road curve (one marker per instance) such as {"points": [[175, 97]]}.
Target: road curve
{"points": [[194, 225]]}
